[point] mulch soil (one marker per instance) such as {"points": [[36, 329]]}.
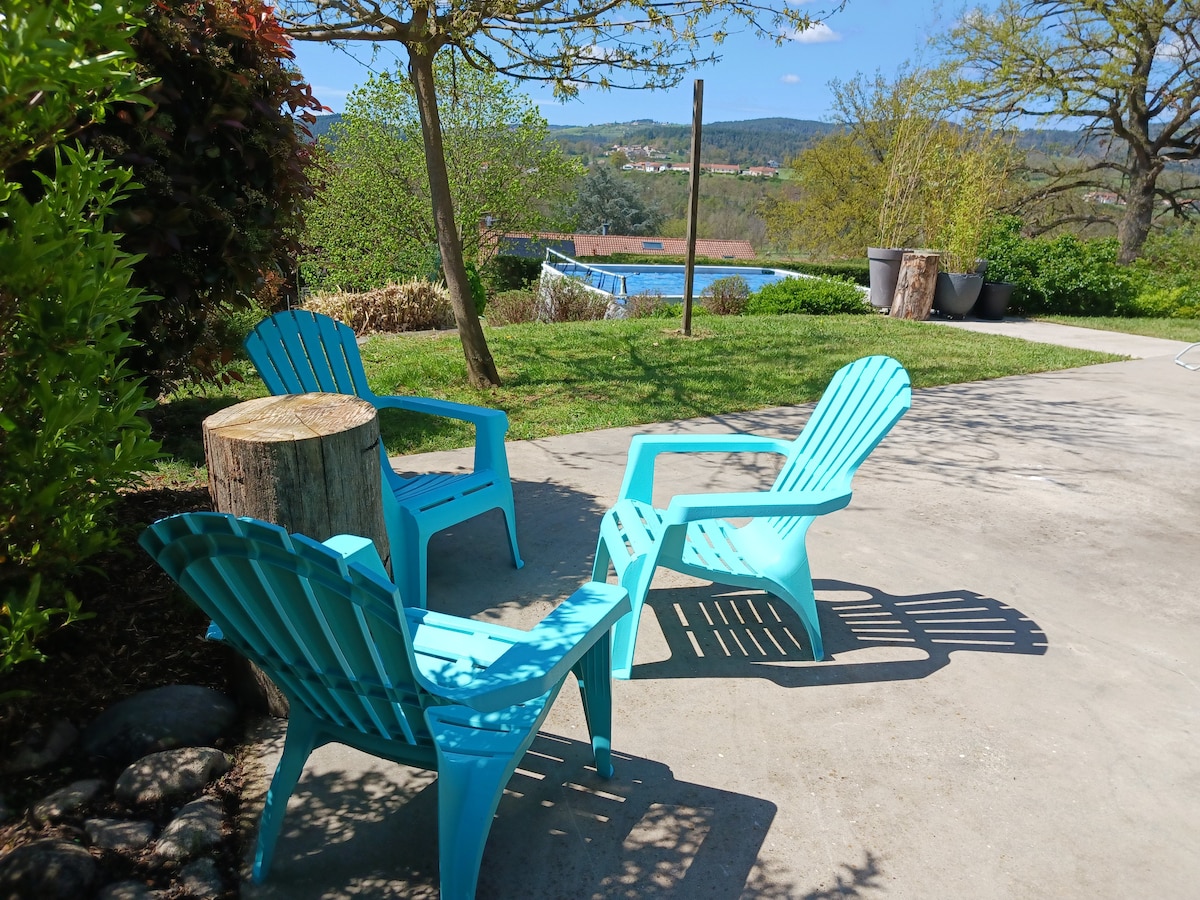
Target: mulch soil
{"points": [[143, 634]]}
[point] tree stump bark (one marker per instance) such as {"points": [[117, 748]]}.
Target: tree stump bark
{"points": [[914, 289], [306, 462]]}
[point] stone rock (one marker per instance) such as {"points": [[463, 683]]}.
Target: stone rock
{"points": [[196, 829], [178, 715], [65, 800], [616, 310], [170, 774], [201, 879], [47, 870], [40, 748], [126, 890], [121, 835]]}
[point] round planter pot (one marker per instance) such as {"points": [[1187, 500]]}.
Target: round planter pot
{"points": [[956, 293], [993, 300], [884, 265]]}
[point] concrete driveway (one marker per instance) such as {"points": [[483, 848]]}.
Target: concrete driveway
{"points": [[1009, 707]]}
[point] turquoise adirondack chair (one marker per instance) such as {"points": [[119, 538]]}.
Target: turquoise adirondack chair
{"points": [[461, 697], [299, 351], [692, 535]]}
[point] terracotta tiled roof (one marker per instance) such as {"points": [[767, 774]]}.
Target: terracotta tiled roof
{"points": [[608, 244]]}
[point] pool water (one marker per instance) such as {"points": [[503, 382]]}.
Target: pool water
{"points": [[667, 281]]}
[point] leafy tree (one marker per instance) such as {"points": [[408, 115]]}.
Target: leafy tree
{"points": [[567, 43], [1130, 71], [70, 429], [605, 201], [898, 173], [223, 168], [372, 221]]}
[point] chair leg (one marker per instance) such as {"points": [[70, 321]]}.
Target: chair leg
{"points": [[636, 580], [798, 594], [510, 519], [594, 674], [297, 745], [469, 790]]}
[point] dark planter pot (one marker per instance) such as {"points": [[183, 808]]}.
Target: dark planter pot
{"points": [[956, 293], [993, 300], [884, 267]]}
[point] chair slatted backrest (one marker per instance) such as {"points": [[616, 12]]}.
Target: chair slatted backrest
{"points": [[298, 351], [863, 401], [325, 632]]}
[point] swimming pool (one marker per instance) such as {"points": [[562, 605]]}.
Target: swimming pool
{"points": [[667, 281]]}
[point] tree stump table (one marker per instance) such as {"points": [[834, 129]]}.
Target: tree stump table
{"points": [[306, 462], [914, 288]]}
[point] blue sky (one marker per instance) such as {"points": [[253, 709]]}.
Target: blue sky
{"points": [[755, 79]]}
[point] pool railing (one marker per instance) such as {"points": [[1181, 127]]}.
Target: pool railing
{"points": [[591, 275]]}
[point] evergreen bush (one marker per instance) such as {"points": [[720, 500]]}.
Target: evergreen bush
{"points": [[815, 296]]}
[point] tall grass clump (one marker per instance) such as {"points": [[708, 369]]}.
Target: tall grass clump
{"points": [[408, 306]]}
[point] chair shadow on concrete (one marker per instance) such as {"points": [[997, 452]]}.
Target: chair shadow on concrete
{"points": [[560, 831], [870, 635]]}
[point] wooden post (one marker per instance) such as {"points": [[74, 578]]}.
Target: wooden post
{"points": [[307, 462], [914, 289], [693, 208]]}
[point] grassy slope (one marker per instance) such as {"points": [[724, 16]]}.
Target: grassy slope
{"points": [[560, 379]]}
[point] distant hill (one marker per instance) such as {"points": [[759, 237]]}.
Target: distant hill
{"points": [[752, 142]]}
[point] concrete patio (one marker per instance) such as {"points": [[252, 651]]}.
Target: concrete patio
{"points": [[1009, 707]]}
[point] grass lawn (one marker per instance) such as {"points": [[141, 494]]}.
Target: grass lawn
{"points": [[1171, 329], [582, 376]]}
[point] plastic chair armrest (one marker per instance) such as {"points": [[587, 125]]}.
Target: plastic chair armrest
{"points": [[546, 654], [645, 448], [693, 507]]}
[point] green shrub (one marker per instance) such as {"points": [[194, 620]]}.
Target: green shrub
{"points": [[1168, 276], [513, 308], [1062, 275], [70, 430], [223, 164], [506, 272], [726, 296], [568, 300], [857, 271], [647, 306], [815, 296]]}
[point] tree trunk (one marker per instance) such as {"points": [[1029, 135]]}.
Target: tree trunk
{"points": [[307, 462], [914, 289], [481, 368], [1135, 223]]}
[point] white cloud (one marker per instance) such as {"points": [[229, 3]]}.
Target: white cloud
{"points": [[790, 79], [817, 33]]}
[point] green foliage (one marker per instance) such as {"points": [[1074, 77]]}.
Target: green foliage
{"points": [[726, 296], [815, 296], [1063, 275], [506, 272], [569, 300], [70, 429], [372, 221], [1168, 275], [61, 62], [855, 270], [604, 200], [898, 173], [223, 166], [514, 307]]}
